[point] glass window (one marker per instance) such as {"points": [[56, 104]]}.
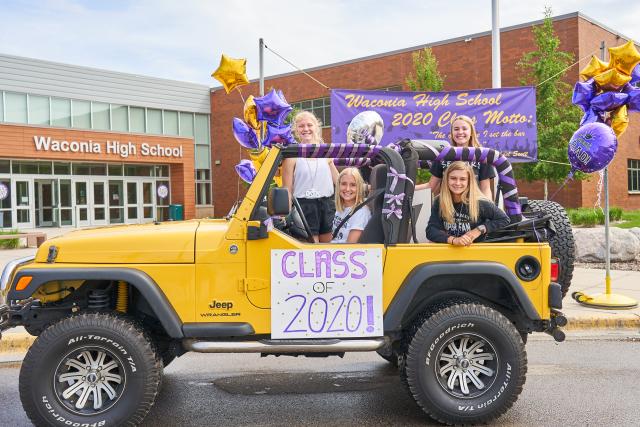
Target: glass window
{"points": [[203, 193], [321, 107], [81, 169], [5, 187], [138, 170], [39, 110], [61, 168], [81, 114], [24, 167], [100, 115], [4, 166], [137, 124], [162, 171], [154, 121], [115, 170], [633, 175], [186, 124], [202, 174], [44, 168], [202, 157], [120, 118], [170, 122], [202, 129], [15, 107], [61, 112], [98, 169]]}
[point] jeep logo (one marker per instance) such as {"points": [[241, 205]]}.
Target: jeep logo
{"points": [[224, 305]]}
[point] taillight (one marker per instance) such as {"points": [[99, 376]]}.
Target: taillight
{"points": [[555, 269]]}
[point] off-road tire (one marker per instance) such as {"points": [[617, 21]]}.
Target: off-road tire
{"points": [[56, 388], [496, 357], [562, 244]]}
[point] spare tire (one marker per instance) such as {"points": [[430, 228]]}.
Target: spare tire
{"points": [[562, 244]]}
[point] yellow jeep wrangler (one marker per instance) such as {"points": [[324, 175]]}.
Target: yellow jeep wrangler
{"points": [[111, 306]]}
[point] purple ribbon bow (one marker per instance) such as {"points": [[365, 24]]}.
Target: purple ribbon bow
{"points": [[396, 212], [396, 176]]}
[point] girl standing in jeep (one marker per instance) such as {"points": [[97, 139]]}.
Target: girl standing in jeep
{"points": [[463, 134], [311, 181], [461, 214]]}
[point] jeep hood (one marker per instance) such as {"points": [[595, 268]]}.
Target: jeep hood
{"points": [[167, 242]]}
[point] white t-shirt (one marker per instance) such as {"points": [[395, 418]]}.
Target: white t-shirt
{"points": [[357, 222], [312, 179]]}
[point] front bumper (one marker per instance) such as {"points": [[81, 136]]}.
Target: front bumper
{"points": [[5, 284]]}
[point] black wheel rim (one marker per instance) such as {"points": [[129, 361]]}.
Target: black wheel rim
{"points": [[466, 366], [89, 380]]}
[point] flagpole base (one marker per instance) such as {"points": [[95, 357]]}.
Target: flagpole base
{"points": [[606, 301]]}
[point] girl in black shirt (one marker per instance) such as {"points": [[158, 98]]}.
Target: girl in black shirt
{"points": [[462, 214]]}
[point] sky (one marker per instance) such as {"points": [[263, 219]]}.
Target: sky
{"points": [[183, 40]]}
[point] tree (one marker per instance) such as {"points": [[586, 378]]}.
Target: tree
{"points": [[557, 118], [427, 79]]}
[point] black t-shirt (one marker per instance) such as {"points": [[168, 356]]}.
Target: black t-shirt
{"points": [[481, 170], [438, 230]]}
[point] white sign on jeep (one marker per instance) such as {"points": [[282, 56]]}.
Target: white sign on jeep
{"points": [[326, 293]]}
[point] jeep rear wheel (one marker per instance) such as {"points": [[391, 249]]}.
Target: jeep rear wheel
{"points": [[466, 364], [90, 369], [562, 244]]}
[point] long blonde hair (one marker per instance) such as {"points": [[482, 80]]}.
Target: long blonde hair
{"points": [[359, 187], [317, 134], [470, 197], [473, 140]]}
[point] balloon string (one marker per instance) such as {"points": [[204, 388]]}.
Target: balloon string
{"points": [[577, 62], [240, 92], [599, 190], [566, 180], [297, 68]]}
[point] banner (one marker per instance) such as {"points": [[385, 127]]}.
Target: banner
{"points": [[505, 118]]}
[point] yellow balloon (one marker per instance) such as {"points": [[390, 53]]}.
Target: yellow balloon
{"points": [[623, 58], [620, 120], [611, 79], [594, 68], [231, 73], [257, 157], [250, 113]]}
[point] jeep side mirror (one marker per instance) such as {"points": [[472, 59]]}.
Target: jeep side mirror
{"points": [[278, 201]]}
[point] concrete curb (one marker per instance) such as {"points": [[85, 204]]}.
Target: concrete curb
{"points": [[21, 341]]}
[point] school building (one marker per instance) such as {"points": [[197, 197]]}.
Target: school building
{"points": [[82, 146], [466, 63]]}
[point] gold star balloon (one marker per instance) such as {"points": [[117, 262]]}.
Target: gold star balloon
{"points": [[624, 58], [594, 68], [250, 113], [231, 73], [611, 79], [620, 120]]}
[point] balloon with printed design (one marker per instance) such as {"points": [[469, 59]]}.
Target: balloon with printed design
{"points": [[592, 147]]}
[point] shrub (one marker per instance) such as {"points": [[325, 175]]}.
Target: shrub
{"points": [[9, 243], [615, 214]]}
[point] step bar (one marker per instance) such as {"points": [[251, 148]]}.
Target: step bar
{"points": [[284, 346]]}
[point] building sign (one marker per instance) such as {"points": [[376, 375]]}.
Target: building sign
{"points": [[326, 293], [505, 118], [124, 150]]}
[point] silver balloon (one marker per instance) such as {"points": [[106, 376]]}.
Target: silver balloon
{"points": [[365, 128]]}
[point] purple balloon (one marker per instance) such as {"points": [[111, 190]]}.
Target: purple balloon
{"points": [[635, 76], [272, 107], [591, 116], [278, 135], [634, 100], [583, 92], [245, 135], [609, 101], [592, 147], [246, 171]]}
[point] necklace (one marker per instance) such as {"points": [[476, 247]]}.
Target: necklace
{"points": [[312, 193]]}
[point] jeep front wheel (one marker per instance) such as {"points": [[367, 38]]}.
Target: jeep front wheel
{"points": [[466, 364], [92, 369]]}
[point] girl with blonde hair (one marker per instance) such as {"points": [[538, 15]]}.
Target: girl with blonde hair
{"points": [[311, 181], [463, 134], [461, 214], [350, 193]]}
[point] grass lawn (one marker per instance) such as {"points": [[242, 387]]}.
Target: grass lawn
{"points": [[630, 219]]}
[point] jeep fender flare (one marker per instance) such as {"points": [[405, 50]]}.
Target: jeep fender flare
{"points": [[140, 280], [404, 300]]}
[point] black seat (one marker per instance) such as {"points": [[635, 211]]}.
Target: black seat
{"points": [[373, 231]]}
